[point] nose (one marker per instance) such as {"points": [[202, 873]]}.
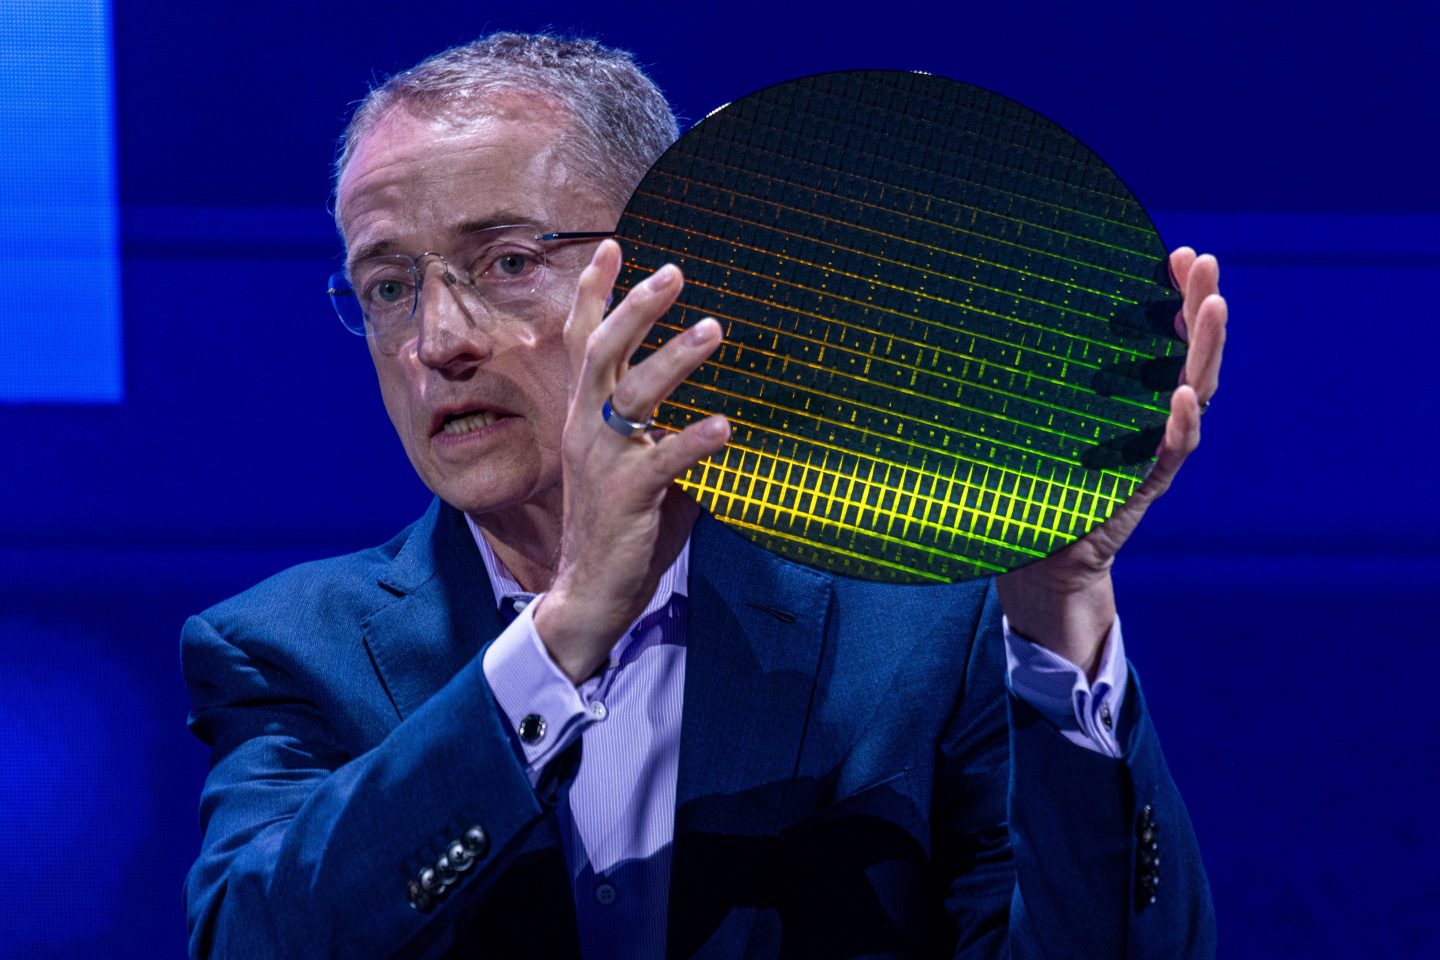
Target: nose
{"points": [[453, 335]]}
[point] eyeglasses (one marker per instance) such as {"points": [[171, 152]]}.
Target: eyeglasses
{"points": [[504, 271]]}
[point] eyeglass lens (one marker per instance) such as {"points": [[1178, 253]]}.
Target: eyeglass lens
{"points": [[502, 271]]}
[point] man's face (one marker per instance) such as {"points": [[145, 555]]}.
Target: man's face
{"points": [[416, 185]]}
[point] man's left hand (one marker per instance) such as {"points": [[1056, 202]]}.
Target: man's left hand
{"points": [[1066, 602]]}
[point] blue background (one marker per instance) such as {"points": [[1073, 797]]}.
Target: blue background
{"points": [[1278, 602], [59, 240]]}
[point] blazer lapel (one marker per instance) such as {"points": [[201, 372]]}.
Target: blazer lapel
{"points": [[443, 612], [753, 645]]}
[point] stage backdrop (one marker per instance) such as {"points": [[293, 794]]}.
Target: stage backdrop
{"points": [[181, 413]]}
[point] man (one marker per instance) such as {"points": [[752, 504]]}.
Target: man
{"points": [[679, 742]]}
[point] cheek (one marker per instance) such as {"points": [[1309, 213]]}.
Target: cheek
{"points": [[549, 386], [395, 395]]}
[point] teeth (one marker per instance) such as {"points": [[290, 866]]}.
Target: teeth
{"points": [[468, 424]]}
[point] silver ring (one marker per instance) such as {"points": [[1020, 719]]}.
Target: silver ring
{"points": [[625, 427], [1204, 406]]}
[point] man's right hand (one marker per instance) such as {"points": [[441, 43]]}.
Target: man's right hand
{"points": [[625, 520]]}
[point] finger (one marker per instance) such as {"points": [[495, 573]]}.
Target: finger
{"points": [[610, 345], [683, 450], [1207, 347], [588, 309], [662, 297], [1182, 436], [1181, 259], [626, 326], [644, 385], [1202, 279]]}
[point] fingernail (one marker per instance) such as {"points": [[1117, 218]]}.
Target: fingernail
{"points": [[706, 331], [664, 278], [716, 428]]}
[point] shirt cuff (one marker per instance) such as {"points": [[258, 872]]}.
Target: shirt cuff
{"points": [[542, 707], [1086, 714]]}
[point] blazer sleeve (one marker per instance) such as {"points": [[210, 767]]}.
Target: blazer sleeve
{"points": [[1050, 849], [308, 851]]}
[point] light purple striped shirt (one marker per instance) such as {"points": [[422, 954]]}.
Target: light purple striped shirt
{"points": [[619, 820]]}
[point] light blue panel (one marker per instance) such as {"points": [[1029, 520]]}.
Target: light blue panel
{"points": [[59, 253]]}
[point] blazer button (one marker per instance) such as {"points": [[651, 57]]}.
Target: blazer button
{"points": [[532, 728], [445, 871], [475, 841], [419, 899], [430, 881], [460, 858], [1147, 856]]}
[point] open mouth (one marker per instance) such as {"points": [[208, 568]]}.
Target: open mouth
{"points": [[468, 421]]}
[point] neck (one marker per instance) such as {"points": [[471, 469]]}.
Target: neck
{"points": [[527, 540]]}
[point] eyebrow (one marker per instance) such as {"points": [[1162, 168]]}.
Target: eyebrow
{"points": [[369, 250], [466, 228], [504, 218]]}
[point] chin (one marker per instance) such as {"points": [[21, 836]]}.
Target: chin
{"points": [[479, 495]]}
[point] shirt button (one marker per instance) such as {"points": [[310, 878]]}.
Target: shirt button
{"points": [[604, 894], [598, 711], [1105, 716], [532, 728], [519, 604]]}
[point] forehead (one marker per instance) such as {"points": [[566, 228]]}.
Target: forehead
{"points": [[416, 182]]}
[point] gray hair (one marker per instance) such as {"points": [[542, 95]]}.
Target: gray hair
{"points": [[622, 122]]}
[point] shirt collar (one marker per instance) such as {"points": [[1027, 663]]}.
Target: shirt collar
{"points": [[673, 582]]}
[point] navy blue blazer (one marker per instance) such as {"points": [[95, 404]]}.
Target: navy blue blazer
{"points": [[854, 779]]}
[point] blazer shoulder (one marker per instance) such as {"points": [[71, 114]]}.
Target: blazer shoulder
{"points": [[313, 597]]}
